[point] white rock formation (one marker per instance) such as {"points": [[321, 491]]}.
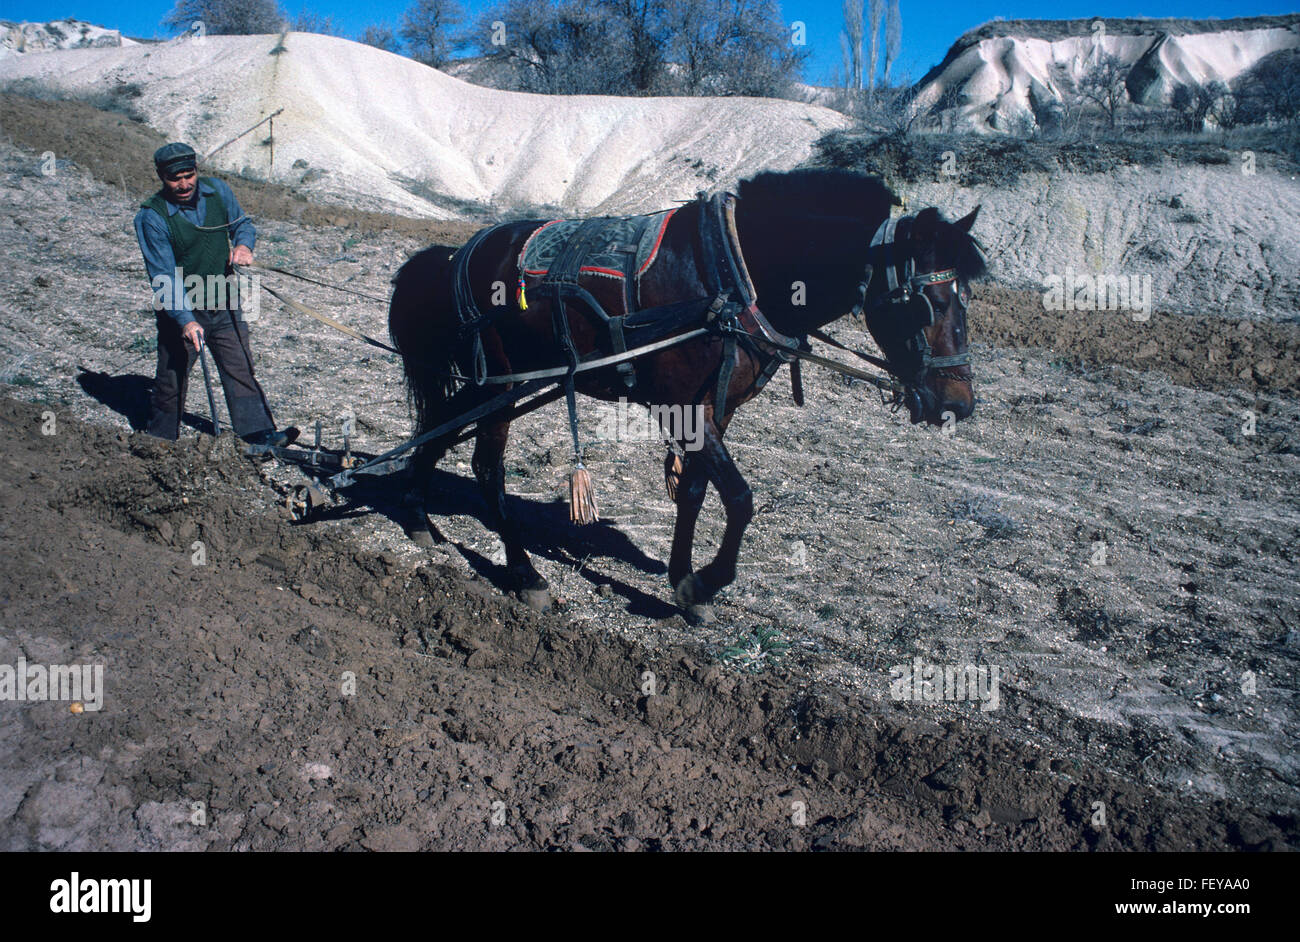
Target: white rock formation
{"points": [[1007, 75], [371, 129], [19, 38]]}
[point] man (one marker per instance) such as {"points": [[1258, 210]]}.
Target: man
{"points": [[186, 229]]}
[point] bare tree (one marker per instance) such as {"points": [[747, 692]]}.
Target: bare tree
{"points": [[570, 48], [944, 109], [1193, 103], [732, 47], [875, 10], [309, 22], [901, 110], [1270, 90], [1181, 104], [698, 41], [226, 17], [1226, 111], [893, 36], [381, 36], [427, 28], [641, 28], [1103, 85], [633, 47], [851, 43]]}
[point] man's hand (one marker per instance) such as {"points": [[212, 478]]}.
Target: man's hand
{"points": [[241, 255], [193, 334]]}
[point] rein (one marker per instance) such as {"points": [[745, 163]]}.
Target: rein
{"points": [[328, 321], [900, 291], [313, 281], [889, 385]]}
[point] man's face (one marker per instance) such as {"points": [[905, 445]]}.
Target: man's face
{"points": [[180, 185]]}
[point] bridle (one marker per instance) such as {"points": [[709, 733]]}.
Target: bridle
{"points": [[906, 299]]}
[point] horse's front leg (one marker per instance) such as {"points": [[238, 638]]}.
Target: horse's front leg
{"points": [[414, 519], [699, 587], [489, 468], [691, 488]]}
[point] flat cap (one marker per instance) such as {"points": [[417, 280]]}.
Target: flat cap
{"points": [[174, 158]]}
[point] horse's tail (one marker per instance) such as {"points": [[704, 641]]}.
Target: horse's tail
{"points": [[423, 323]]}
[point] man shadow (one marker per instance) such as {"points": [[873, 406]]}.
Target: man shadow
{"points": [[545, 526], [128, 396]]}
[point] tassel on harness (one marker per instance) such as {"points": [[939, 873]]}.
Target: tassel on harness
{"points": [[582, 497], [582, 494]]}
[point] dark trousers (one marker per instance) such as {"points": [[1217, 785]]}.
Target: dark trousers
{"points": [[226, 338]]}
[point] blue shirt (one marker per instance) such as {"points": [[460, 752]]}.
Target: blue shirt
{"points": [[156, 243]]}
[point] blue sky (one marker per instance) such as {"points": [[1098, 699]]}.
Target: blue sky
{"points": [[929, 26]]}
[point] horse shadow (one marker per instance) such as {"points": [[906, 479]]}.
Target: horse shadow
{"points": [[128, 396], [548, 533], [545, 526]]}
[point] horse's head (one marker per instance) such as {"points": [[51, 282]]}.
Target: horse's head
{"points": [[915, 293]]}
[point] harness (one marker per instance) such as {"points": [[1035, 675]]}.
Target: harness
{"points": [[909, 292], [624, 248], [739, 321]]}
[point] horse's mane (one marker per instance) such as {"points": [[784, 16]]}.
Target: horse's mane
{"points": [[830, 192], [819, 192]]}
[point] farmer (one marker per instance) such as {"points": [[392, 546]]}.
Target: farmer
{"points": [[186, 229]]}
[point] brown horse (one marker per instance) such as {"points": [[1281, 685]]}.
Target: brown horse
{"points": [[807, 238]]}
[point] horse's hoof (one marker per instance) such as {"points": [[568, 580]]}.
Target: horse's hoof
{"points": [[421, 537], [690, 592], [698, 615], [538, 599]]}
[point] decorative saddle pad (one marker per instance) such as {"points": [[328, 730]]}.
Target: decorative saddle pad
{"points": [[621, 239]]}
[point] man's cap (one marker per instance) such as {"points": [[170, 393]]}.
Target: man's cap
{"points": [[175, 158]]}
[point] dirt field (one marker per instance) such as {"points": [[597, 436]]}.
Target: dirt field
{"points": [[1123, 681], [223, 692]]}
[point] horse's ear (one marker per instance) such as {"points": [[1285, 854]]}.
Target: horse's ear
{"points": [[966, 222]]}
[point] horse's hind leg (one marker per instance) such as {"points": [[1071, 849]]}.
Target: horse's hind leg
{"points": [[489, 468], [697, 588]]}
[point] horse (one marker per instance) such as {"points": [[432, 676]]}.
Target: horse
{"points": [[819, 244]]}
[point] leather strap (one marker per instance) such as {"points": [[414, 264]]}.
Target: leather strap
{"points": [[724, 376]]}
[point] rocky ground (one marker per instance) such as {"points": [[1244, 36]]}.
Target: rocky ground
{"points": [[1159, 681]]}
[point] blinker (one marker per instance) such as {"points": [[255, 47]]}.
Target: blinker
{"points": [[906, 295], [920, 312]]}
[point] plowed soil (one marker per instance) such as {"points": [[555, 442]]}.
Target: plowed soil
{"points": [[224, 694]]}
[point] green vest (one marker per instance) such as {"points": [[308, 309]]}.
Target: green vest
{"points": [[198, 251]]}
